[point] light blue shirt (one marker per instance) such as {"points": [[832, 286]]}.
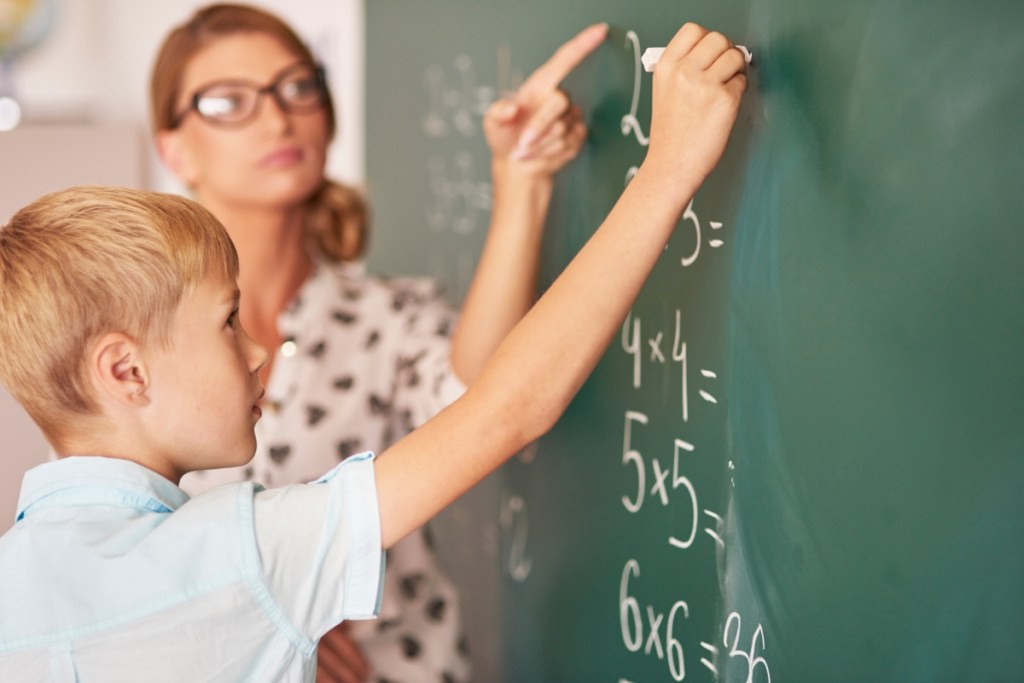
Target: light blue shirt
{"points": [[111, 573]]}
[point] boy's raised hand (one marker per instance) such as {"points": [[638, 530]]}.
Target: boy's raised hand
{"points": [[698, 84]]}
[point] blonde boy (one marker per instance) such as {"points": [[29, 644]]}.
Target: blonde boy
{"points": [[119, 334]]}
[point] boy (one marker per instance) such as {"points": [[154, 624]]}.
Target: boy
{"points": [[120, 336]]}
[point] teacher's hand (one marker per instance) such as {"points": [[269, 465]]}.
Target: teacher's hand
{"points": [[537, 129], [339, 659]]}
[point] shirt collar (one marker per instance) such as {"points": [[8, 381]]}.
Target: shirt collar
{"points": [[93, 479]]}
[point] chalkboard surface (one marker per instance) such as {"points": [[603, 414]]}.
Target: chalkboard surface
{"points": [[803, 460]]}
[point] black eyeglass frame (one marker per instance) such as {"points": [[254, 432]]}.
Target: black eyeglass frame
{"points": [[271, 89]]}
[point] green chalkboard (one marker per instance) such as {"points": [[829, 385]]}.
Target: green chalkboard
{"points": [[803, 460]]}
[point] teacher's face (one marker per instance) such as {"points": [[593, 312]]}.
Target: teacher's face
{"points": [[273, 159]]}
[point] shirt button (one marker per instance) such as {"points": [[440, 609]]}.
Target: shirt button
{"points": [[288, 348]]}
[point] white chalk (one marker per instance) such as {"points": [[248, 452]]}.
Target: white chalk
{"points": [[650, 57], [653, 54]]}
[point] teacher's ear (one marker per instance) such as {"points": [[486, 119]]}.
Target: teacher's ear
{"points": [[175, 156]]}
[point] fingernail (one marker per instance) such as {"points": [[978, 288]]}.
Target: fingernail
{"points": [[522, 149], [509, 109], [528, 137]]}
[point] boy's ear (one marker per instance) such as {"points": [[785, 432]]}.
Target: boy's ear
{"points": [[175, 155], [119, 371]]}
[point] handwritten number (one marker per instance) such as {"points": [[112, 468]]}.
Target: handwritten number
{"points": [[631, 344], [676, 661], [631, 456], [514, 518], [691, 215], [629, 607], [677, 481], [630, 124], [752, 662]]}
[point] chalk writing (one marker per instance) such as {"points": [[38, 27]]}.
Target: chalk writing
{"points": [[461, 200], [459, 107], [632, 342], [631, 622], [516, 525], [663, 485], [690, 216], [630, 124], [753, 661]]}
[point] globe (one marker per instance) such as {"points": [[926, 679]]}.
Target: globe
{"points": [[23, 25]]}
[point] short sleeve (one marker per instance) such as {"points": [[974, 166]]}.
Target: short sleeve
{"points": [[425, 381], [320, 547]]}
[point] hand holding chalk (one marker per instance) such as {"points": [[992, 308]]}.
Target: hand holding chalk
{"points": [[696, 96], [653, 54]]}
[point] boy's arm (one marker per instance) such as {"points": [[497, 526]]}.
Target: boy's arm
{"points": [[534, 374]]}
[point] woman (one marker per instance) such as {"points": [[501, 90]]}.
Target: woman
{"points": [[242, 115]]}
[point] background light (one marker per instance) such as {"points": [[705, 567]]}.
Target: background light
{"points": [[10, 114]]}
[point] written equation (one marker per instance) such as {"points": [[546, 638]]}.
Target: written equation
{"points": [[642, 631], [662, 464], [662, 481], [460, 193]]}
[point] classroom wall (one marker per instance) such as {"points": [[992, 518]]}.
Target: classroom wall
{"points": [[35, 161]]}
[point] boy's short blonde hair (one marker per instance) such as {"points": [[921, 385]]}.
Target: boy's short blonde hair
{"points": [[90, 260]]}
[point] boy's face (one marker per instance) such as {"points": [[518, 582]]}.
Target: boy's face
{"points": [[204, 389]]}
